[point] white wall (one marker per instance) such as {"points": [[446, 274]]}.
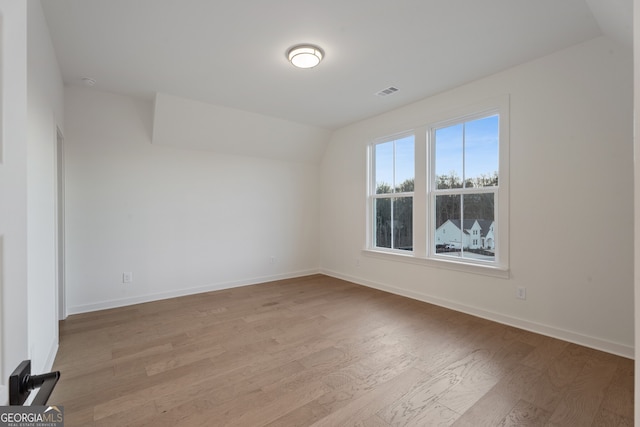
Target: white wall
{"points": [[45, 115], [182, 221], [186, 123], [571, 201], [13, 190], [636, 146]]}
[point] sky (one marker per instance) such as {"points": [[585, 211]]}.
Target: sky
{"points": [[478, 137], [404, 156]]}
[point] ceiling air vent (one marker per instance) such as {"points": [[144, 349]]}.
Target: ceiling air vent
{"points": [[387, 91]]}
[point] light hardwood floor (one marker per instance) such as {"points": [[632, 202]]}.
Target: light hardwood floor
{"points": [[324, 352]]}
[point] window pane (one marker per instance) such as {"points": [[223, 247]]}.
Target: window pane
{"points": [[384, 168], [479, 225], [448, 156], [448, 235], [383, 222], [405, 164], [481, 152], [403, 223]]}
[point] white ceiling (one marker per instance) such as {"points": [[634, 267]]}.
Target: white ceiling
{"points": [[232, 52]]}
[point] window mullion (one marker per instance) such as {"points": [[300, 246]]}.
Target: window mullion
{"points": [[393, 200], [464, 187], [462, 223], [421, 195], [464, 169]]}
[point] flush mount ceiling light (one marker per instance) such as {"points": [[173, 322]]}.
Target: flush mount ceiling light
{"points": [[305, 55]]}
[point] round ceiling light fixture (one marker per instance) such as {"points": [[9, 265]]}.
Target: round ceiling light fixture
{"points": [[305, 55]]}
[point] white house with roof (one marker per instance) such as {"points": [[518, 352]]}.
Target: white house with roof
{"points": [[475, 234]]}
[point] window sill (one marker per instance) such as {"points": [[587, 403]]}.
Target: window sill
{"points": [[466, 267]]}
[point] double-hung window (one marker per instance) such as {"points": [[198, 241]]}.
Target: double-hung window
{"points": [[392, 193], [440, 192], [464, 186]]}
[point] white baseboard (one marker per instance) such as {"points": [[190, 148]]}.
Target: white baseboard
{"points": [[562, 334], [551, 331], [103, 305]]}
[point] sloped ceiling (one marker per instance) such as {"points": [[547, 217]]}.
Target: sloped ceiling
{"points": [[232, 53], [615, 18]]}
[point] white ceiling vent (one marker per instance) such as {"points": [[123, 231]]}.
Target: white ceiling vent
{"points": [[387, 91]]}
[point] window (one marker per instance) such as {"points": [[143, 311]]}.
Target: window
{"points": [[392, 193], [464, 184], [440, 193]]}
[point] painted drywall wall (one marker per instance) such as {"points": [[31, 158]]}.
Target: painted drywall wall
{"points": [[571, 200], [636, 211], [45, 115], [182, 221], [13, 190], [186, 123]]}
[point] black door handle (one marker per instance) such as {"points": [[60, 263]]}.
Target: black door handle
{"points": [[21, 382]]}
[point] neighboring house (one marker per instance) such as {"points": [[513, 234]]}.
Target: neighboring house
{"points": [[476, 234]]}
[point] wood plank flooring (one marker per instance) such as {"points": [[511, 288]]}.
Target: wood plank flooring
{"points": [[317, 351]]}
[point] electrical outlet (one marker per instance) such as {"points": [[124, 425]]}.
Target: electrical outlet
{"points": [[521, 292], [127, 277]]}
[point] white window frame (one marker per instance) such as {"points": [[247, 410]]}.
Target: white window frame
{"points": [[423, 198], [372, 196]]}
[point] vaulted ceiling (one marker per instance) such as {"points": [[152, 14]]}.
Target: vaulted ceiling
{"points": [[232, 53]]}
